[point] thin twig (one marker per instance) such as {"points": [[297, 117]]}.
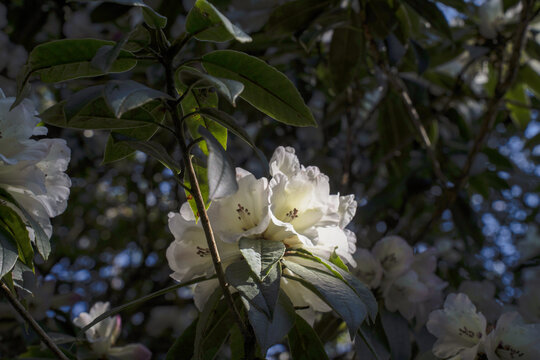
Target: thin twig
{"points": [[33, 324]]}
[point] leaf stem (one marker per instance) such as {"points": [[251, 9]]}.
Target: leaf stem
{"points": [[30, 320]]}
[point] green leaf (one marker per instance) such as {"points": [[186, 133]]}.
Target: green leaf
{"points": [[202, 178], [221, 172], [195, 100], [237, 343], [332, 290], [261, 294], [336, 260], [380, 18], [124, 95], [230, 89], [183, 347], [520, 114], [137, 39], [68, 59], [8, 252], [270, 332], [96, 115], [12, 223], [370, 344], [432, 14], [205, 22], [107, 55], [152, 148], [212, 328], [151, 17], [397, 332], [41, 239], [345, 49], [294, 16], [261, 254], [304, 343], [422, 57], [115, 151], [531, 78], [266, 88], [497, 159]]}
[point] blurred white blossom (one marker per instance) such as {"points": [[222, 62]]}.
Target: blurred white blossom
{"points": [[104, 334]]}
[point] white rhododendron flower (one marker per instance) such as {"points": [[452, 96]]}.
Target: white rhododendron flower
{"points": [[459, 329], [294, 207], [104, 334], [491, 18], [369, 270], [482, 294], [513, 339], [394, 254], [32, 171]]}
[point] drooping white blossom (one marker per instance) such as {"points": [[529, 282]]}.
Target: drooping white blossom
{"points": [[394, 254], [482, 294], [104, 334], [32, 171], [459, 328], [513, 339], [368, 270]]}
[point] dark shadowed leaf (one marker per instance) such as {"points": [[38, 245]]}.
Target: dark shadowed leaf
{"points": [[345, 50], [8, 252], [294, 16], [124, 95], [304, 343], [266, 88], [432, 14], [183, 347], [13, 224], [230, 89], [397, 332]]}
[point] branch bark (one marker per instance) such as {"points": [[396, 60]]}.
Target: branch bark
{"points": [[33, 324]]}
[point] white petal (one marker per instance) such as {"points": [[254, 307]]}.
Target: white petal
{"points": [[284, 161], [18, 123], [513, 339], [202, 292], [347, 209], [394, 254], [368, 270]]}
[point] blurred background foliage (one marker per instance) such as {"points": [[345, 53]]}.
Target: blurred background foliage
{"points": [[404, 92]]}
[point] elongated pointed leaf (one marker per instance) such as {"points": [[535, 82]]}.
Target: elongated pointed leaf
{"points": [[12, 223], [432, 14], [43, 244], [122, 96], [230, 89], [335, 292], [8, 252], [221, 172], [205, 22], [266, 88], [261, 294], [151, 17], [183, 347], [202, 177], [304, 343], [397, 332], [107, 55], [270, 332], [68, 59], [261, 254], [294, 16]]}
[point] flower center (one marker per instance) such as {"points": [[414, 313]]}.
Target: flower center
{"points": [[464, 331], [510, 351], [202, 252], [291, 215], [388, 261], [245, 218]]}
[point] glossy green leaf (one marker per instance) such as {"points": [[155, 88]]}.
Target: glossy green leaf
{"points": [[42, 241], [67, 59], [230, 89], [124, 95], [221, 172], [518, 106], [261, 254], [432, 14], [12, 223], [107, 55], [336, 260], [202, 178], [263, 294], [8, 252], [335, 292], [304, 343], [96, 115], [266, 88], [205, 22]]}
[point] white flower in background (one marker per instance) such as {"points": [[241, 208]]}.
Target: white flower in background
{"points": [[529, 247], [32, 171], [295, 207], [459, 329], [513, 339], [491, 18], [369, 270], [482, 294], [403, 293], [104, 334], [449, 250], [394, 254]]}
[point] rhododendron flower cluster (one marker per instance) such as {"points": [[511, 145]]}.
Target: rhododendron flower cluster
{"points": [[104, 334], [32, 171], [294, 207], [464, 333], [406, 280]]}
